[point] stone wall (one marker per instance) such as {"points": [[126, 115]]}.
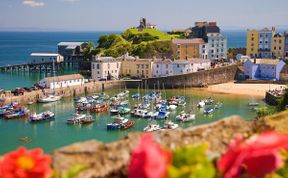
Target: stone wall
{"points": [[87, 88], [197, 79]]}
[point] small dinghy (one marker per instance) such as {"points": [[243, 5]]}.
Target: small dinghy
{"points": [[208, 111]]}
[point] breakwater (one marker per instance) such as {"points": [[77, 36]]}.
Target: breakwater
{"points": [[90, 87], [197, 79]]}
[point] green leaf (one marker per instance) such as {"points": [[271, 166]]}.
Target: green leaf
{"points": [[191, 162], [74, 171]]}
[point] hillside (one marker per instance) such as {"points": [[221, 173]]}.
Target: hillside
{"points": [[142, 43]]}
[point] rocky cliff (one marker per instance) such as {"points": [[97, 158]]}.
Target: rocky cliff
{"points": [[111, 160]]}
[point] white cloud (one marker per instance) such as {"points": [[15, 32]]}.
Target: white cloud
{"points": [[33, 3]]}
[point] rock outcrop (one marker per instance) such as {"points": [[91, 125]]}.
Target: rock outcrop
{"points": [[111, 160]]}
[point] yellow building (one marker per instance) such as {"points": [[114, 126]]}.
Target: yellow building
{"points": [[278, 45], [187, 48], [252, 43], [140, 68]]}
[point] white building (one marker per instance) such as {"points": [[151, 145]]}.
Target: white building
{"points": [[105, 67], [62, 81], [181, 67], [162, 68], [200, 64], [217, 45], [38, 58], [263, 69], [204, 51]]}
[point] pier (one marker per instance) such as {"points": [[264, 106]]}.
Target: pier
{"points": [[36, 67]]}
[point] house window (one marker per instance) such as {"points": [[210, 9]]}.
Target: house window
{"points": [[157, 65], [137, 71], [142, 66], [156, 71], [147, 66], [166, 65], [98, 66], [147, 72], [167, 72], [93, 66], [178, 66], [138, 66]]}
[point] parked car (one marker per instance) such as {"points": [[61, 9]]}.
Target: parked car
{"points": [[103, 79], [27, 89]]}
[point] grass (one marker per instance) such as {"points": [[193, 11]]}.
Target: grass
{"points": [[153, 32]]}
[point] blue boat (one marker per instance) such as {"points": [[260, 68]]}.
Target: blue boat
{"points": [[118, 123], [208, 110], [162, 115]]}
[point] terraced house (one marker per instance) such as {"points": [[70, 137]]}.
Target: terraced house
{"points": [[187, 48], [103, 68], [137, 68], [252, 43], [278, 45]]}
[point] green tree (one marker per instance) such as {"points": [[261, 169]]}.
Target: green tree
{"points": [[284, 102]]}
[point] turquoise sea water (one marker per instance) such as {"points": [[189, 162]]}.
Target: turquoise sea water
{"points": [[54, 134]]}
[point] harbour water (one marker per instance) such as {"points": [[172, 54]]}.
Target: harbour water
{"points": [[15, 48], [54, 134]]}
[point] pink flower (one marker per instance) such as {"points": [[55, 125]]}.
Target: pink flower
{"points": [[148, 159], [256, 156], [24, 163]]}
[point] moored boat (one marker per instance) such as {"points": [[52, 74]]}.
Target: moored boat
{"points": [[128, 125], [208, 111], [185, 117], [170, 125], [99, 108], [151, 127], [17, 114], [118, 123], [44, 116], [49, 99]]}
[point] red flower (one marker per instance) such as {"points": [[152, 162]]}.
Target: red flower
{"points": [[24, 163], [148, 159], [256, 156]]}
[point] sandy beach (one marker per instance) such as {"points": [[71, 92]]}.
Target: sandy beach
{"points": [[257, 90]]}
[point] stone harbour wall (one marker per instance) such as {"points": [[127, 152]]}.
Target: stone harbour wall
{"points": [[197, 79], [87, 88]]}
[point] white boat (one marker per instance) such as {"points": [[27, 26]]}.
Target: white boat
{"points": [[47, 115], [50, 98], [170, 125], [201, 104], [172, 107], [152, 127], [253, 104], [208, 111], [184, 117], [142, 113]]}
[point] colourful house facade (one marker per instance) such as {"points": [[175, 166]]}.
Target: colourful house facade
{"points": [[252, 43], [278, 46]]}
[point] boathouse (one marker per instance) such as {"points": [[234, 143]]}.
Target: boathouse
{"points": [[62, 81], [39, 58]]}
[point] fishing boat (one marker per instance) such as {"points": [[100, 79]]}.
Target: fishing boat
{"points": [[253, 104], [142, 113], [124, 110], [162, 115], [77, 119], [201, 104], [49, 99], [172, 107], [87, 119], [218, 105], [118, 123], [114, 110], [136, 96], [208, 111], [128, 125], [151, 127], [17, 114], [208, 101], [44, 116], [185, 117], [170, 125], [99, 108]]}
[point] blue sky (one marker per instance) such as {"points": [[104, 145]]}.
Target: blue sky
{"points": [[114, 15]]}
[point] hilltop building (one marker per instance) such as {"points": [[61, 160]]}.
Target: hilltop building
{"points": [[62, 81], [263, 69], [144, 24], [105, 68]]}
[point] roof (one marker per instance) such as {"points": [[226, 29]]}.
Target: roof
{"points": [[161, 61], [191, 61], [265, 61], [278, 35], [45, 54], [188, 41], [105, 59], [70, 43], [64, 78]]}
